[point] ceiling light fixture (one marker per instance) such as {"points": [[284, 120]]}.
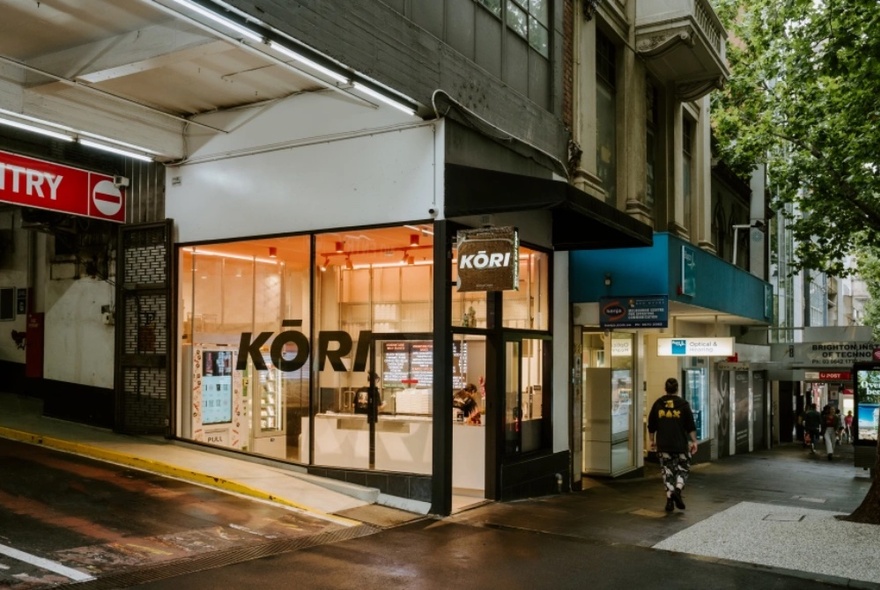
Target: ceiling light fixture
{"points": [[427, 232], [66, 133], [231, 25], [309, 63], [115, 150], [326, 263], [273, 252], [348, 263], [414, 240], [35, 129], [196, 252], [340, 247], [382, 98]]}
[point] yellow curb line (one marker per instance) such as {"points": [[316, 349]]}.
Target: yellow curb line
{"points": [[152, 466]]}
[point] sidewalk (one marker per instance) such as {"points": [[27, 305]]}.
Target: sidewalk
{"points": [[770, 509], [21, 419]]}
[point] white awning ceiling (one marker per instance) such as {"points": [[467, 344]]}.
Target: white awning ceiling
{"points": [[143, 71]]}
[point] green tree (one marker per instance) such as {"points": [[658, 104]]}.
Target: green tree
{"points": [[869, 271], [802, 98]]}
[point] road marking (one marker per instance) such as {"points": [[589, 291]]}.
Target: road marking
{"points": [[46, 564]]}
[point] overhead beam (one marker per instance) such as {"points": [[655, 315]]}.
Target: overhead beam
{"points": [[84, 111], [130, 53]]}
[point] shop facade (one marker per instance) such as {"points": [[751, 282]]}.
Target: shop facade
{"points": [[818, 369], [297, 281], [643, 315]]}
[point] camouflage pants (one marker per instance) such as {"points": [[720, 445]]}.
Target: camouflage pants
{"points": [[675, 468]]}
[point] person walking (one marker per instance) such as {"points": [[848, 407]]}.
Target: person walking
{"points": [[812, 424], [847, 427], [673, 436], [830, 428]]}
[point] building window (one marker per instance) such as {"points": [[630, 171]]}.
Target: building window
{"points": [[687, 162], [606, 116], [494, 6], [651, 115], [719, 228], [530, 19], [7, 308]]}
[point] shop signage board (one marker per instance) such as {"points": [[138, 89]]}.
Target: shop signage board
{"points": [[825, 376], [831, 354], [736, 366], [488, 259], [634, 312], [688, 271], [21, 301], [695, 347], [45, 185]]}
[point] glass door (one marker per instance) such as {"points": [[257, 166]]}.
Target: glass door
{"points": [[608, 416], [622, 398], [526, 406]]}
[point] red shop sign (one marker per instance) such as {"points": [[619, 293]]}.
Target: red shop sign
{"points": [[44, 185], [838, 376]]}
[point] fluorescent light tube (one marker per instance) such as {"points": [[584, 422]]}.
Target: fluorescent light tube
{"points": [[382, 98], [35, 129], [232, 26], [114, 150], [307, 62]]}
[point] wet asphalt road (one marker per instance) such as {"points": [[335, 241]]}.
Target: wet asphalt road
{"points": [[135, 530], [61, 511], [446, 555]]}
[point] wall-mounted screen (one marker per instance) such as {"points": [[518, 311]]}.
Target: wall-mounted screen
{"points": [[217, 387], [866, 400]]}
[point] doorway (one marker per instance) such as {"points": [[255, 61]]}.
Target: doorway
{"points": [[469, 395], [608, 416]]}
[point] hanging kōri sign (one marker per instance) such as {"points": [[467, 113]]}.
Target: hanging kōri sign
{"points": [[488, 259]]}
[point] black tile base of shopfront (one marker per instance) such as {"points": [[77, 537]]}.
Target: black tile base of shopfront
{"points": [[402, 485]]}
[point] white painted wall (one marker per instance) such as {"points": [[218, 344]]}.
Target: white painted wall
{"points": [[307, 164], [78, 345], [13, 273]]}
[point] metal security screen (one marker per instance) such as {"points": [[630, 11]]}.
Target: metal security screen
{"points": [[143, 343]]}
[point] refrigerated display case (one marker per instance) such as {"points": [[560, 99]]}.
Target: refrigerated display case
{"points": [[268, 428]]}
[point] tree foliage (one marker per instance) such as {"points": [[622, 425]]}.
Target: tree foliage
{"points": [[803, 98], [869, 271]]}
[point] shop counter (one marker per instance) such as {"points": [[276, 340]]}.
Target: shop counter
{"points": [[468, 457], [403, 443]]}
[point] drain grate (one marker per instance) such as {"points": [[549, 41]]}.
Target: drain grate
{"points": [[785, 517], [217, 559]]}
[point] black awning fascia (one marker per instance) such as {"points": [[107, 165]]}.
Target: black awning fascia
{"points": [[580, 222]]}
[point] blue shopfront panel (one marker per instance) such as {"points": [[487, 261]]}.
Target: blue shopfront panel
{"points": [[714, 283]]}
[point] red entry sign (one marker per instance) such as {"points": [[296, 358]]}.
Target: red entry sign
{"points": [[44, 185]]}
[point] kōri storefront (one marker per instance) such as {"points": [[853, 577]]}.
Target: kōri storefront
{"points": [[278, 337], [297, 282]]}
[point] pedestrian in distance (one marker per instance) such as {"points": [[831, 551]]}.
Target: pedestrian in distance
{"points": [[673, 436], [847, 427], [830, 428], [812, 426]]}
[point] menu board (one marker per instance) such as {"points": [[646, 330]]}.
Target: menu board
{"points": [[217, 387], [421, 364], [407, 364], [395, 358]]}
